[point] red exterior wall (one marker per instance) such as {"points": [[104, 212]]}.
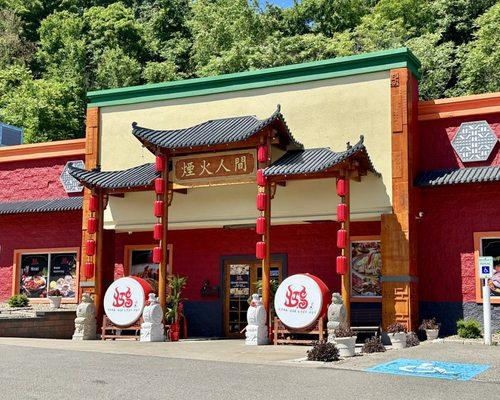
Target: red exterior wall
{"points": [[31, 231], [197, 253]]}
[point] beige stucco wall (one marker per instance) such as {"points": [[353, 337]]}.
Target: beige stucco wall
{"points": [[325, 113]]}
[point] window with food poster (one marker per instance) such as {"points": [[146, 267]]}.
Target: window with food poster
{"points": [[487, 244], [42, 272], [366, 269]]}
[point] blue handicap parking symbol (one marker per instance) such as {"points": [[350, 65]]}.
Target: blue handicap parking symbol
{"points": [[486, 269], [430, 369]]}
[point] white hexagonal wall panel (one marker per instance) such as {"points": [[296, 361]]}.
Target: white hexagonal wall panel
{"points": [[70, 184], [474, 141]]}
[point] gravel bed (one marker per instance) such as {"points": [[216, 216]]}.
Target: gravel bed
{"points": [[30, 312]]}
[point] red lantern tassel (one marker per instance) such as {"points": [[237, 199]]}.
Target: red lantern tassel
{"points": [[262, 153], [341, 187], [341, 238], [261, 179], [342, 212], [158, 208], [158, 231], [260, 226], [341, 265], [88, 270], [91, 225], [90, 247], [159, 185], [261, 201], [157, 255], [93, 203], [160, 163], [260, 250]]}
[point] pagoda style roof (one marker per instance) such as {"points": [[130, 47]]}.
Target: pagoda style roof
{"points": [[38, 206], [216, 132], [310, 161], [140, 176], [440, 177]]}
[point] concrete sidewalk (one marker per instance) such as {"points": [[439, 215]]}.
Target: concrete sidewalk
{"points": [[235, 351]]}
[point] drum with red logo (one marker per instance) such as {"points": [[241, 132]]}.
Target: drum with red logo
{"points": [[125, 299], [300, 300]]}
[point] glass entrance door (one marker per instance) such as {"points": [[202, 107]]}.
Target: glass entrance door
{"points": [[241, 279]]}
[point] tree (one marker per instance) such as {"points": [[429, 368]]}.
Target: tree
{"points": [[13, 48]]}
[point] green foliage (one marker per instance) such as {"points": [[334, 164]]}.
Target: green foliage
{"points": [[469, 329], [176, 285], [373, 345], [323, 351], [18, 300], [412, 340]]}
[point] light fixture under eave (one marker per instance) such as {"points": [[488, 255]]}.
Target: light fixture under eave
{"points": [[238, 226]]}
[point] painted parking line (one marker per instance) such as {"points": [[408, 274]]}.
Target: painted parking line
{"points": [[430, 369]]}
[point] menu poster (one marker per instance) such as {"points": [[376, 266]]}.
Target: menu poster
{"points": [[142, 265], [239, 281], [366, 269], [63, 273], [34, 268], [491, 247]]}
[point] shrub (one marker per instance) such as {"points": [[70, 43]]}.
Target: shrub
{"points": [[55, 293], [18, 300], [412, 340], [396, 328], [429, 324], [344, 331], [469, 329], [323, 351], [373, 345]]}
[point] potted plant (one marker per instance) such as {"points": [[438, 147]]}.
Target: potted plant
{"points": [[431, 328], [176, 284], [345, 339], [55, 298], [397, 334]]}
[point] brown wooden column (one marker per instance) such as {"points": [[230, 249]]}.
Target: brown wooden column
{"points": [[346, 279], [399, 231], [99, 256], [163, 274]]}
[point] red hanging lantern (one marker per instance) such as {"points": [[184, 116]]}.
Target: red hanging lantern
{"points": [[159, 185], [341, 238], [341, 265], [261, 226], [262, 153], [261, 179], [91, 225], [160, 163], [158, 231], [88, 270], [260, 250], [342, 212], [157, 253], [90, 247], [341, 187], [93, 203], [158, 208], [261, 201]]}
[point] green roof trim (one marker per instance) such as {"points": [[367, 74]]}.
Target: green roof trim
{"points": [[286, 75]]}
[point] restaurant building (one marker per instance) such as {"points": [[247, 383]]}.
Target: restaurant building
{"points": [[234, 179]]}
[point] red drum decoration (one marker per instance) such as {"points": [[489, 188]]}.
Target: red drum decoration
{"points": [[88, 270], [90, 247], [160, 163], [260, 250], [91, 225], [261, 179], [341, 265], [342, 212], [158, 231], [341, 238], [158, 208], [341, 187], [262, 154], [93, 202], [157, 253], [159, 185], [261, 225], [261, 201]]}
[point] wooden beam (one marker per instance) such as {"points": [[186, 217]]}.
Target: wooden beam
{"points": [[346, 279], [163, 275]]}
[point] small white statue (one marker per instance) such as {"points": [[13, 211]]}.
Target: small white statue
{"points": [[152, 329], [85, 323], [337, 316], [256, 330]]}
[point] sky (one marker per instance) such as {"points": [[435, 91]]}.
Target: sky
{"points": [[281, 3]]}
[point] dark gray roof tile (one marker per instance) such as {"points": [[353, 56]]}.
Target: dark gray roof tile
{"points": [[441, 177], [34, 206]]}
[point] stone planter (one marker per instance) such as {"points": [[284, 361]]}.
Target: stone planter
{"points": [[55, 301], [398, 340], [346, 346], [432, 334]]}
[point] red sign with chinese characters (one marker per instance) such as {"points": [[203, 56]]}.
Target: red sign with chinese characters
{"points": [[215, 168]]}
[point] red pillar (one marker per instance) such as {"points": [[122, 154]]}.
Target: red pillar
{"points": [[344, 243]]}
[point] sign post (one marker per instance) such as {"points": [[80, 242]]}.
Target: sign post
{"points": [[486, 272]]}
